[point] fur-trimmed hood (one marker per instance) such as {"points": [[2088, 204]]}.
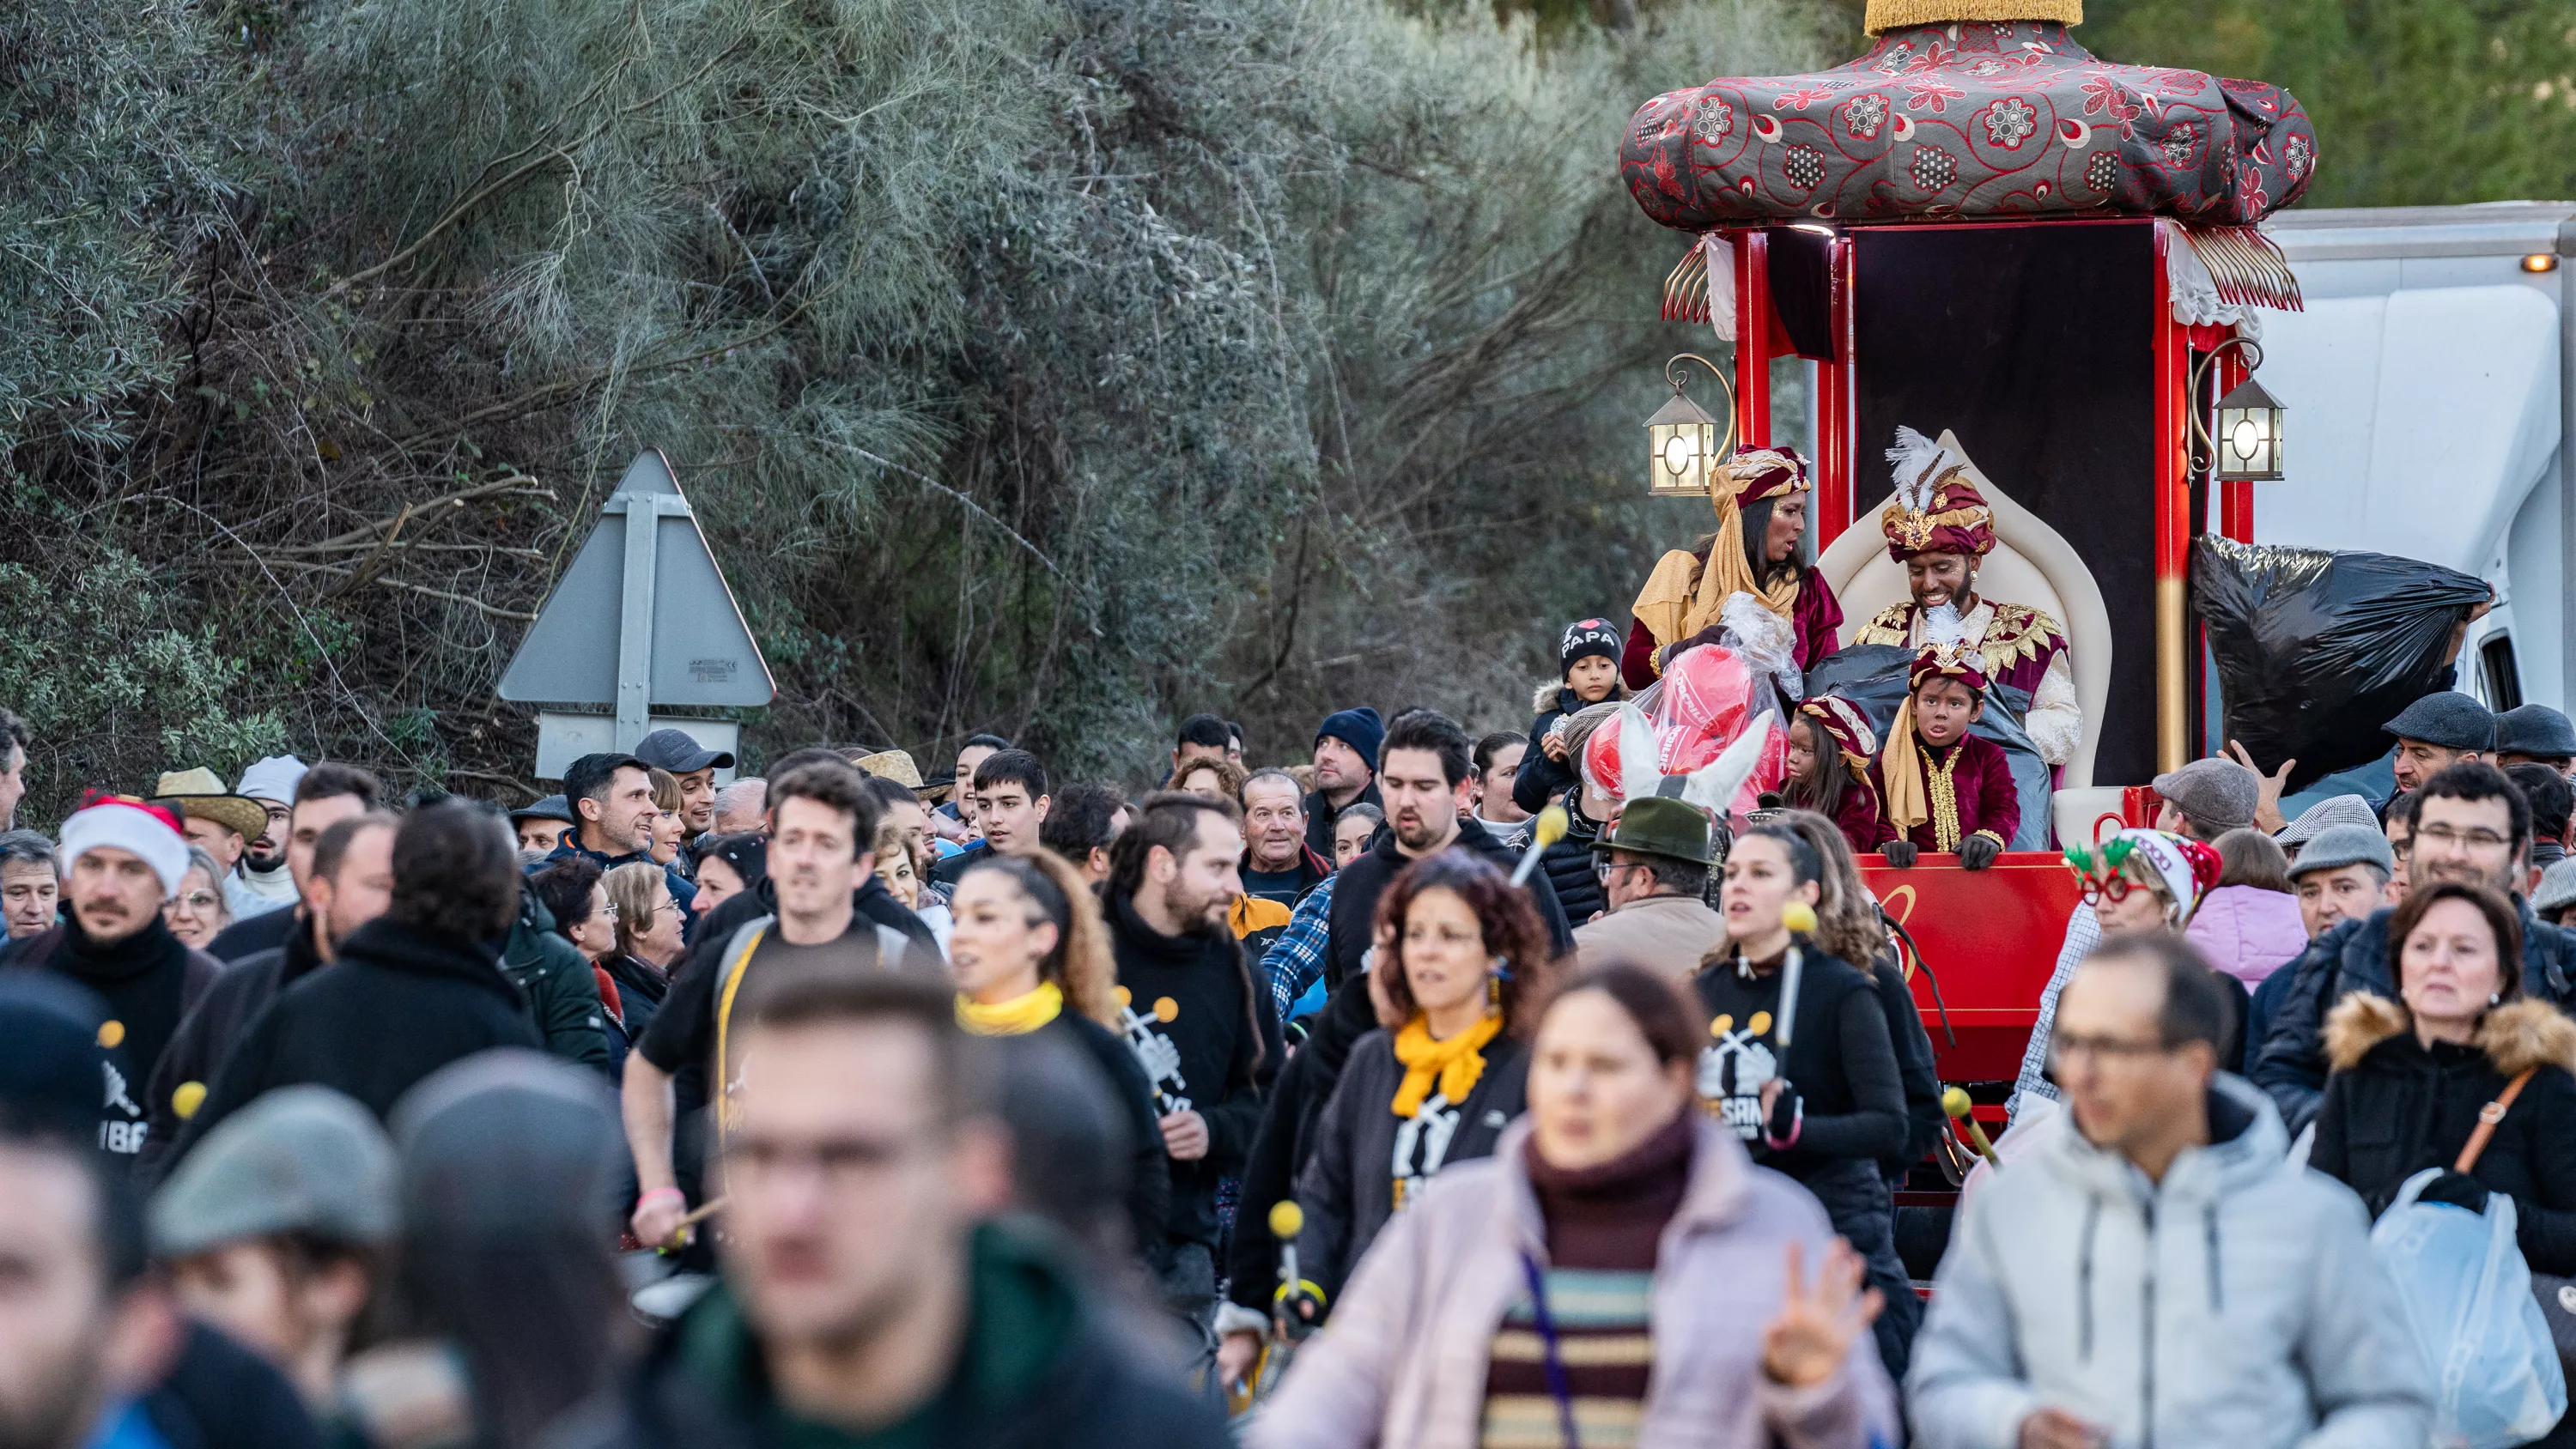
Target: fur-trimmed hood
{"points": [[1554, 695], [2516, 1037]]}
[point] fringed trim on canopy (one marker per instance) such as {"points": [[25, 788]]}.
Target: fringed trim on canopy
{"points": [[1689, 295]]}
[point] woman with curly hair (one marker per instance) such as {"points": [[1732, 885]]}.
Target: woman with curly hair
{"points": [[1439, 1080], [1031, 956]]}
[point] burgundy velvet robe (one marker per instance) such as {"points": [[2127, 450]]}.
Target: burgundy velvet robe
{"points": [[1817, 617], [1983, 781]]}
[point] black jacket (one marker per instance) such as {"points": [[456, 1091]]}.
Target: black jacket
{"points": [[1568, 866], [1357, 886], [220, 1395], [562, 996], [1542, 779], [1320, 813], [1080, 1378], [1227, 1034], [1348, 1186], [2395, 1106], [1286, 1140], [251, 935], [401, 1002], [210, 1030], [2353, 956], [1839, 1062], [149, 982], [1924, 1119]]}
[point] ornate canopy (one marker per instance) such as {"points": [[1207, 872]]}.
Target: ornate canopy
{"points": [[1969, 118]]}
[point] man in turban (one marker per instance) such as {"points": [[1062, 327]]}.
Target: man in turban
{"points": [[1939, 527]]}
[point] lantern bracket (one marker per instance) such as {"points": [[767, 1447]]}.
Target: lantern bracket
{"points": [[2204, 448], [1673, 374]]}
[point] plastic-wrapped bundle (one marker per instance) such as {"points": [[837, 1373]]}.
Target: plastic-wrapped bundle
{"points": [[1708, 698], [2317, 649]]}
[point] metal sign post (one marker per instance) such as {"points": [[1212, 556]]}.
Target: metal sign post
{"points": [[642, 619]]}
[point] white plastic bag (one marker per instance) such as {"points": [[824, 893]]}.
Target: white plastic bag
{"points": [[2467, 1296]]}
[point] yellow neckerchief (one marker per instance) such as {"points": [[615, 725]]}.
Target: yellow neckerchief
{"points": [[1681, 597], [1457, 1062], [1018, 1016]]}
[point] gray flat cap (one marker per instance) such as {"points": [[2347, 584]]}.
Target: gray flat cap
{"points": [[2535, 730], [2340, 845], [300, 1159], [2217, 794], [2446, 718], [2324, 815], [2557, 887]]}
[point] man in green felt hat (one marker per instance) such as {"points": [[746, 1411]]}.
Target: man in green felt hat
{"points": [[1654, 869]]}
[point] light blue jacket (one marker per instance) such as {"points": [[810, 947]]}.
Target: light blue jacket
{"points": [[2234, 1303]]}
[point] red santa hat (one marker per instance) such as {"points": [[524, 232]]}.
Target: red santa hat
{"points": [[121, 821]]}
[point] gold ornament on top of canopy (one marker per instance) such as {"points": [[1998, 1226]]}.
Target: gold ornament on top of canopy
{"points": [[1682, 441]]}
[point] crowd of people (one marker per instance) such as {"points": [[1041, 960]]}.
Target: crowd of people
{"points": [[1423, 1088]]}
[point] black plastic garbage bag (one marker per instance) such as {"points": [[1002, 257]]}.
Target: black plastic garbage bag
{"points": [[2317, 649], [1872, 678]]}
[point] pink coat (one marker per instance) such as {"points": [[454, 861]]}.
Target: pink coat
{"points": [[1401, 1362], [2247, 931]]}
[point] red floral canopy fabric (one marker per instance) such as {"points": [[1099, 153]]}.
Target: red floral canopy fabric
{"points": [[1970, 119]]}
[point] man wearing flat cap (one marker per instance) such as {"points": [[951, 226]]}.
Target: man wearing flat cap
{"points": [[2535, 734], [2207, 798], [694, 766], [1658, 859], [2439, 731]]}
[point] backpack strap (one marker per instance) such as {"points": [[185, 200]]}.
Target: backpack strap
{"points": [[728, 982], [2488, 1116]]}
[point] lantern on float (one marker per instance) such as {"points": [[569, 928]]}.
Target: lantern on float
{"points": [[1682, 441], [2249, 435]]}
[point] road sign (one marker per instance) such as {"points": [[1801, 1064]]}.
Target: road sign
{"points": [[643, 618], [563, 737]]}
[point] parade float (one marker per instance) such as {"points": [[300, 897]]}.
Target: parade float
{"points": [[2050, 266]]}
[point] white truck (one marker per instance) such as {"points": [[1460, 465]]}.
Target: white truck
{"points": [[2430, 389]]}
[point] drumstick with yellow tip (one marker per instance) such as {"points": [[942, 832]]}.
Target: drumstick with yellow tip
{"points": [[1955, 1104], [1546, 830]]}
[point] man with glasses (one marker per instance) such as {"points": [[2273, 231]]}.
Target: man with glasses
{"points": [[2470, 825], [2154, 1269], [1654, 869], [869, 1295]]}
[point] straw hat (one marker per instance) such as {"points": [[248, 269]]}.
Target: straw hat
{"points": [[895, 765], [200, 793]]}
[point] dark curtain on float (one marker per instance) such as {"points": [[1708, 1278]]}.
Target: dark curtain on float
{"points": [[2036, 345]]}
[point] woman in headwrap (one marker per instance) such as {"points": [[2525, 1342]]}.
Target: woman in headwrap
{"points": [[1761, 498], [1831, 747]]}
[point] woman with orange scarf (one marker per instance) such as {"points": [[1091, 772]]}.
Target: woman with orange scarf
{"points": [[1761, 499], [1437, 1084]]}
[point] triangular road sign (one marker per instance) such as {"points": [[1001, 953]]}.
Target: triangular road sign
{"points": [[642, 626]]}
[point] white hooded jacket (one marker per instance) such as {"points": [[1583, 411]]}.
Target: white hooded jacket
{"points": [[2234, 1303]]}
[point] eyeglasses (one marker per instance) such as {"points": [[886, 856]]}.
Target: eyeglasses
{"points": [[2473, 839], [197, 901], [2063, 1048], [2114, 890], [841, 1161]]}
